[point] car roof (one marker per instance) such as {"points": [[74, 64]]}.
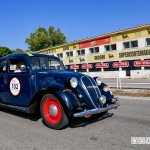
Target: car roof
{"points": [[28, 55]]}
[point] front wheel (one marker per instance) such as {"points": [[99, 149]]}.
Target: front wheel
{"points": [[52, 112]]}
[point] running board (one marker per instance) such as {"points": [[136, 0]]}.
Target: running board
{"points": [[30, 109]]}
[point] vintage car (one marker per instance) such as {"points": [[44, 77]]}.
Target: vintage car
{"points": [[34, 83]]}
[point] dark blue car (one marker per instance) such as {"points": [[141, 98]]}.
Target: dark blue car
{"points": [[37, 82]]}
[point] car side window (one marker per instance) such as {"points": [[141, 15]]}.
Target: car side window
{"points": [[2, 66], [16, 65]]}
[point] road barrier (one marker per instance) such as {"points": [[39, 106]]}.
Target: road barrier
{"points": [[121, 83]]}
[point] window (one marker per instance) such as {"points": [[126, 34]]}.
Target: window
{"points": [[147, 41], [69, 54], [134, 44], [107, 47], [81, 52], [46, 63], [15, 65], [91, 50], [130, 44], [60, 55], [126, 45], [3, 66], [94, 50], [111, 47]]}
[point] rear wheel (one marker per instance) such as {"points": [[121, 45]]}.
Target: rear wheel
{"points": [[52, 112]]}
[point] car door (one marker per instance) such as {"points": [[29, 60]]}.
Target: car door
{"points": [[18, 90], [3, 85]]}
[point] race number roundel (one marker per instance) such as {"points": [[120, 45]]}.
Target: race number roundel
{"points": [[15, 86]]}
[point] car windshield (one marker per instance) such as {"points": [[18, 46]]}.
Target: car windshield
{"points": [[46, 63]]}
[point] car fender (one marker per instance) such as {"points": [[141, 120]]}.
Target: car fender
{"points": [[65, 96]]}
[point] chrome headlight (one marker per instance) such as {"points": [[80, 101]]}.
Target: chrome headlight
{"points": [[98, 81], [73, 82], [103, 99]]}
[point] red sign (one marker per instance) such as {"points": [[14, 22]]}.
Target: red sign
{"points": [[93, 43], [142, 63], [102, 65], [87, 66], [74, 67], [120, 64]]}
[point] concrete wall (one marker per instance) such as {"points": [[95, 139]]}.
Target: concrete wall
{"points": [[140, 74], [107, 74], [121, 74]]}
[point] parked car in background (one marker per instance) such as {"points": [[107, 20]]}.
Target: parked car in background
{"points": [[38, 82]]}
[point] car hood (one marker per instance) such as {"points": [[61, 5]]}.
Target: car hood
{"points": [[87, 90], [61, 74]]}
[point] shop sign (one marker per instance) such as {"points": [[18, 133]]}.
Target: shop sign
{"points": [[142, 63], [120, 64], [102, 65], [87, 66], [74, 67]]}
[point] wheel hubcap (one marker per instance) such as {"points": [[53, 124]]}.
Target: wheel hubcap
{"points": [[53, 111]]}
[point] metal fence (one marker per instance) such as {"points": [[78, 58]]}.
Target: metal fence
{"points": [[121, 83]]}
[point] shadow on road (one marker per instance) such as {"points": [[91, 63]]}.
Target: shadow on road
{"points": [[74, 122], [82, 122], [32, 117]]}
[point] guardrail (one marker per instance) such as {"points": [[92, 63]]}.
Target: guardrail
{"points": [[120, 83]]}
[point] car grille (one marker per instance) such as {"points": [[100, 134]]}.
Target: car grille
{"points": [[91, 89]]}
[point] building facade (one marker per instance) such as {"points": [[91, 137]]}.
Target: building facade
{"points": [[124, 53]]}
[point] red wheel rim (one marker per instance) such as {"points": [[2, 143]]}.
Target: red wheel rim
{"points": [[53, 119]]}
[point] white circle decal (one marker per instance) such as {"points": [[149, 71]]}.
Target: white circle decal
{"points": [[14, 86]]}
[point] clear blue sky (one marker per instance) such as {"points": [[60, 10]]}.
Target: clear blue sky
{"points": [[78, 19]]}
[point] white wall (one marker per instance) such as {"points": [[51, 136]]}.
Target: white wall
{"points": [[141, 42], [107, 74], [140, 74], [119, 46], [121, 74]]}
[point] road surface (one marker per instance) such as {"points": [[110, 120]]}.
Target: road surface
{"points": [[131, 119]]}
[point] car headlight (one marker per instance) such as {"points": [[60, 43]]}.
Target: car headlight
{"points": [[73, 82], [103, 99], [98, 81]]}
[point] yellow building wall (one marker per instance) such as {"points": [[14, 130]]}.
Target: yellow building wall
{"points": [[129, 35], [61, 49], [141, 53], [74, 47]]}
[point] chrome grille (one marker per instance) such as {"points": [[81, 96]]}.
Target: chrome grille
{"points": [[92, 90]]}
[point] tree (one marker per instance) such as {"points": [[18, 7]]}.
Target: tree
{"points": [[4, 51], [42, 39], [18, 50]]}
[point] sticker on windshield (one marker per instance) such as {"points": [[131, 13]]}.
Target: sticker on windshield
{"points": [[14, 86], [29, 54]]}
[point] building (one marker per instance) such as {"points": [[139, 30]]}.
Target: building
{"points": [[124, 53]]}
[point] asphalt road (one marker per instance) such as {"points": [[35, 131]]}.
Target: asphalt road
{"points": [[131, 119], [128, 83]]}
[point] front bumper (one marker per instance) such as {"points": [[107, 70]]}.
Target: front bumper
{"points": [[96, 110]]}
